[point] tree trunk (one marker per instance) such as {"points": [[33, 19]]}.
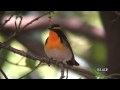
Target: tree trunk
{"points": [[111, 23]]}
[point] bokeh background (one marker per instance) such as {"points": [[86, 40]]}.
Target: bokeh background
{"points": [[88, 32]]}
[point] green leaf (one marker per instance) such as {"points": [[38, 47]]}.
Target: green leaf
{"points": [[30, 63], [99, 53]]}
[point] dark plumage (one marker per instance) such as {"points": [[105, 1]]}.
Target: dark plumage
{"points": [[56, 28]]}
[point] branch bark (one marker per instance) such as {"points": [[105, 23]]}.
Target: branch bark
{"points": [[83, 72]]}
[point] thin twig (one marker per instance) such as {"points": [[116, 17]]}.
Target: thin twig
{"points": [[20, 60], [18, 27], [21, 18], [66, 23], [35, 20], [16, 24], [15, 33], [15, 64], [11, 62], [30, 71], [10, 38], [6, 21], [83, 72], [3, 73]]}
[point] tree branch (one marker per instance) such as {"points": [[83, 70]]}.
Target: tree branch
{"points": [[72, 24], [3, 73], [35, 20], [6, 21], [30, 71], [17, 64], [83, 72], [112, 30]]}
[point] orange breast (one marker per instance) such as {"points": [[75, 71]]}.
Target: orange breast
{"points": [[54, 42]]}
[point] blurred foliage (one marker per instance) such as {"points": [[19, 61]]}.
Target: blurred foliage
{"points": [[91, 17], [1, 38], [47, 72], [98, 53], [99, 75], [80, 44], [94, 52], [30, 63]]}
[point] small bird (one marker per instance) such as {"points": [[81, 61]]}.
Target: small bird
{"points": [[57, 46]]}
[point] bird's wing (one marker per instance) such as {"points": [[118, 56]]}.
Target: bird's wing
{"points": [[64, 40]]}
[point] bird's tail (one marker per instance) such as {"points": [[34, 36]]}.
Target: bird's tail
{"points": [[72, 62]]}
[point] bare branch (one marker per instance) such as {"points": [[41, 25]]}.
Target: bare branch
{"points": [[35, 20], [15, 33], [3, 73], [18, 27], [21, 18], [83, 72], [72, 24], [6, 21], [15, 64], [10, 38], [30, 71], [1, 28], [11, 62], [16, 24]]}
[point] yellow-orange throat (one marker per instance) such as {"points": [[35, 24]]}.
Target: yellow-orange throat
{"points": [[54, 42]]}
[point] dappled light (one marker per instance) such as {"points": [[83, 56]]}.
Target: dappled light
{"points": [[23, 39]]}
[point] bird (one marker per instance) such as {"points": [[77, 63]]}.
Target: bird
{"points": [[57, 46]]}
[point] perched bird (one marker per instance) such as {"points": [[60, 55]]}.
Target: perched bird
{"points": [[57, 46]]}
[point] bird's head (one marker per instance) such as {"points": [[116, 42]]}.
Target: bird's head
{"points": [[54, 27]]}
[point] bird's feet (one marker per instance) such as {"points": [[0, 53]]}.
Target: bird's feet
{"points": [[49, 61]]}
